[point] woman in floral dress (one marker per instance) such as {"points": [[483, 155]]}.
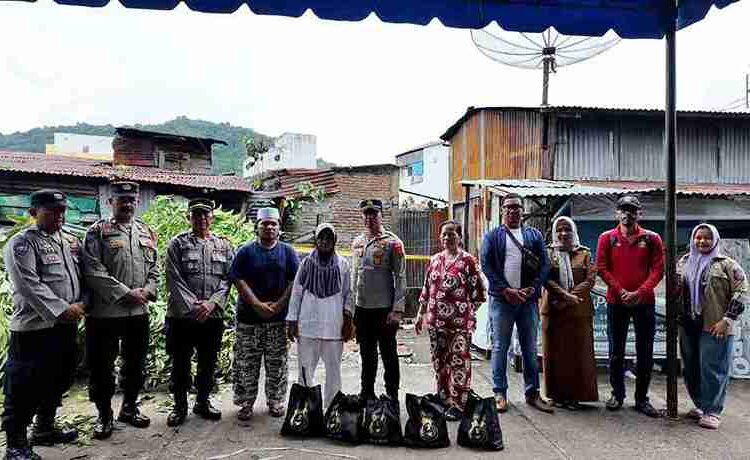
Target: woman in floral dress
{"points": [[452, 292]]}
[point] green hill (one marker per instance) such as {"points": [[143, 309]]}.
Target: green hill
{"points": [[227, 159]]}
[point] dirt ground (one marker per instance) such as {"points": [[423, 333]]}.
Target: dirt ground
{"points": [[587, 434]]}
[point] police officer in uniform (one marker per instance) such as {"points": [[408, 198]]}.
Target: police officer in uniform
{"points": [[42, 262], [197, 268], [119, 266], [379, 283]]}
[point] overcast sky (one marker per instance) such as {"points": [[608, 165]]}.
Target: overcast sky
{"points": [[367, 90]]}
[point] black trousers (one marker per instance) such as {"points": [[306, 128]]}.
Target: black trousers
{"points": [[374, 333], [618, 321], [105, 339], [40, 369], [184, 337]]}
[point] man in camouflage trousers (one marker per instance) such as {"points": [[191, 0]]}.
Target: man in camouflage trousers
{"points": [[119, 266], [379, 285], [197, 269], [263, 272], [42, 263]]}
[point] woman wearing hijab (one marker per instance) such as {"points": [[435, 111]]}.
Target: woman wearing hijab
{"points": [[320, 311], [567, 320], [452, 292], [714, 292]]}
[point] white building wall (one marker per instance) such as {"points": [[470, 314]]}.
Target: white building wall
{"points": [[434, 180], [82, 145], [290, 151]]}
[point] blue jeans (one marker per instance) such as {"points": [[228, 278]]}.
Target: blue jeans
{"points": [[706, 364], [526, 318]]}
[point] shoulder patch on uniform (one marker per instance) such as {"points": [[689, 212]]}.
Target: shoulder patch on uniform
{"points": [[21, 247]]}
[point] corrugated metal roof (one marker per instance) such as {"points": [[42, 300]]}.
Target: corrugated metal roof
{"points": [[543, 188], [37, 163], [578, 110], [135, 132], [419, 147], [706, 190]]}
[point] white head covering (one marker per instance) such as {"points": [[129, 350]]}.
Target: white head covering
{"points": [[268, 214], [561, 253], [696, 265]]}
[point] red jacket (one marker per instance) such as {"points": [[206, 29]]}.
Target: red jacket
{"points": [[633, 263]]}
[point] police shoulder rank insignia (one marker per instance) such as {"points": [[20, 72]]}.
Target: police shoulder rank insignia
{"points": [[21, 247]]}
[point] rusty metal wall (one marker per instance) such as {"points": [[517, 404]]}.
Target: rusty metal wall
{"points": [[512, 141], [708, 151], [495, 144]]}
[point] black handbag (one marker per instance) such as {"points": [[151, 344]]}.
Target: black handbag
{"points": [[426, 426], [382, 422], [531, 265], [480, 425], [343, 418], [304, 413]]}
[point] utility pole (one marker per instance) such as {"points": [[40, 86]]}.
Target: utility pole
{"points": [[747, 91]]}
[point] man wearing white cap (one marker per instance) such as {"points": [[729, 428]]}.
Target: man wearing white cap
{"points": [[263, 272]]}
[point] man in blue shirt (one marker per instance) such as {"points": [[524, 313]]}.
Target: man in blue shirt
{"points": [[263, 272], [515, 262]]}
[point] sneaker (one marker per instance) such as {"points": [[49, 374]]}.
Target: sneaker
{"points": [[104, 425], [276, 410], [647, 409], [501, 403], [613, 403], [695, 414], [245, 413], [710, 421]]}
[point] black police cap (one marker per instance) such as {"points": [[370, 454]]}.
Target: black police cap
{"points": [[377, 205], [48, 198]]}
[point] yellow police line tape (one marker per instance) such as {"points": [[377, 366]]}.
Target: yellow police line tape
{"points": [[307, 249]]}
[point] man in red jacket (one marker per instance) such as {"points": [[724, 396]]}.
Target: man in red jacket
{"points": [[630, 259]]}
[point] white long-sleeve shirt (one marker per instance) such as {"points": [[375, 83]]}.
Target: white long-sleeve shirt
{"points": [[321, 318]]}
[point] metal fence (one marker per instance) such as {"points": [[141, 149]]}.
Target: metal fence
{"points": [[419, 231]]}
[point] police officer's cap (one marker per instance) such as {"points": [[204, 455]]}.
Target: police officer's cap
{"points": [[48, 198], [629, 202], [201, 204], [366, 205], [124, 189]]}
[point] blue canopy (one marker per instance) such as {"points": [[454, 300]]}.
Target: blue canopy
{"points": [[629, 18]]}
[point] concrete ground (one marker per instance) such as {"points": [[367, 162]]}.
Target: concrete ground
{"points": [[587, 434]]}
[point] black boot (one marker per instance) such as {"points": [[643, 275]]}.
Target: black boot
{"points": [[179, 411], [130, 414], [206, 410], [46, 433], [104, 424], [18, 447]]}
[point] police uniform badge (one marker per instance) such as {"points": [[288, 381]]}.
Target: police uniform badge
{"points": [[21, 247]]}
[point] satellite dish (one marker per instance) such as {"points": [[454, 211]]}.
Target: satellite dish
{"points": [[547, 50]]}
